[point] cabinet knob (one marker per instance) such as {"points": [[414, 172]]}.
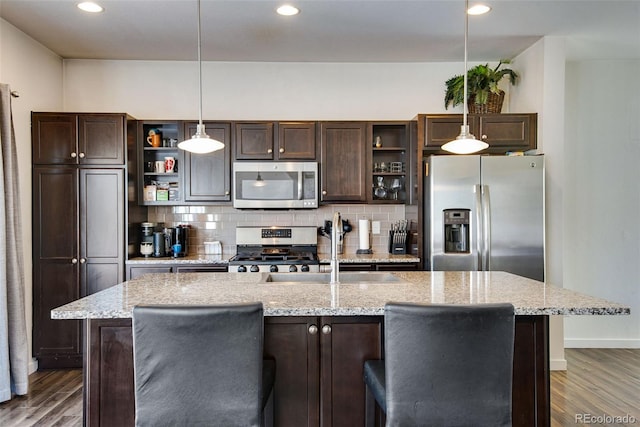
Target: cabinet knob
{"points": [[484, 137], [281, 150], [269, 151], [73, 155], [326, 329], [313, 329], [83, 260], [81, 155], [74, 260], [324, 192], [226, 193]]}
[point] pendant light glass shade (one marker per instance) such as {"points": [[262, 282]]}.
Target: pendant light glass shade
{"points": [[200, 142], [259, 182], [465, 143]]}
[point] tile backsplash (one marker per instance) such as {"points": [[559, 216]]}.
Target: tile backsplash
{"points": [[209, 223]]}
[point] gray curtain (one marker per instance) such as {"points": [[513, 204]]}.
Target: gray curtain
{"points": [[14, 351]]}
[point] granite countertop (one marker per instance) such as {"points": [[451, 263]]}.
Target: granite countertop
{"points": [[190, 259], [374, 258], [324, 259], [529, 297]]}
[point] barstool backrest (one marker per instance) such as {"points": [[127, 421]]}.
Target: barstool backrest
{"points": [[449, 364], [198, 365]]}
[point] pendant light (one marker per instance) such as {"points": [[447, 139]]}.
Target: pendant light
{"points": [[200, 142], [465, 143], [259, 182]]}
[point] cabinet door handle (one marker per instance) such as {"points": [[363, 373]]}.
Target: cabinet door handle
{"points": [[81, 155], [83, 260], [326, 329], [281, 150], [73, 155], [313, 329], [74, 260], [484, 137], [269, 151], [226, 193], [324, 192]]}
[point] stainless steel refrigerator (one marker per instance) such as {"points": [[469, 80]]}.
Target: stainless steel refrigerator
{"points": [[484, 213]]}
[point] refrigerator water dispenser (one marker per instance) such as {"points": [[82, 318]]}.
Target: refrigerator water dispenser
{"points": [[456, 230]]}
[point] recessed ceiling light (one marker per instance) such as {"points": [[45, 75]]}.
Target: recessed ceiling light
{"points": [[478, 9], [89, 6], [287, 10]]}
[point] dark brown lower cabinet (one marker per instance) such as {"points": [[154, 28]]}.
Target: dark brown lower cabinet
{"points": [[318, 370], [78, 249]]}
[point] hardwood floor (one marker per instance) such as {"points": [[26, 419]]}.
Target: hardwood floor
{"points": [[603, 384]]}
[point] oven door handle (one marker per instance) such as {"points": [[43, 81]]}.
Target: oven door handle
{"points": [[300, 185]]}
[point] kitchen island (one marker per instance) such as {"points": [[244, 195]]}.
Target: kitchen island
{"points": [[320, 334]]}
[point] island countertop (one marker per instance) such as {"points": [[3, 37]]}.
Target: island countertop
{"points": [[529, 297]]}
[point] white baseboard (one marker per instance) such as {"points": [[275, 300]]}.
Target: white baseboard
{"points": [[558, 364], [601, 343]]}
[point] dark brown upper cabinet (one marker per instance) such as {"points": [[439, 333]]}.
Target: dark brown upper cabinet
{"points": [[296, 141], [275, 141], [503, 132], [254, 141], [208, 176], [343, 169], [78, 139]]}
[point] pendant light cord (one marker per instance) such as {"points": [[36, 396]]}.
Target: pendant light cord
{"points": [[466, 36], [200, 66]]}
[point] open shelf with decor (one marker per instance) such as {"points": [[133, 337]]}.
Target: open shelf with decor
{"points": [[389, 162], [161, 162]]}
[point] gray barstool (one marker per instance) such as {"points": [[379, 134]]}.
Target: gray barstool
{"points": [[445, 365], [201, 365]]}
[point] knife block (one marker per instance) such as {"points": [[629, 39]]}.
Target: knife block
{"points": [[398, 242]]}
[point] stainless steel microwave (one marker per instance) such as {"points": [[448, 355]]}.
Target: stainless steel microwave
{"points": [[275, 185]]}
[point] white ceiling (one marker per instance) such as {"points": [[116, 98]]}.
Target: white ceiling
{"points": [[326, 31]]}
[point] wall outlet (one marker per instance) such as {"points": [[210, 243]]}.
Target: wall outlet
{"points": [[375, 227]]}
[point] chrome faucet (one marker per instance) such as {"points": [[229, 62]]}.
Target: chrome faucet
{"points": [[336, 235]]}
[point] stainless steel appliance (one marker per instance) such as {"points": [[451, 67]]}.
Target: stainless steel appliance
{"points": [[275, 249], [275, 185], [485, 213]]}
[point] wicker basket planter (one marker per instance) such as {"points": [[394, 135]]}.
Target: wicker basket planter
{"points": [[493, 105]]}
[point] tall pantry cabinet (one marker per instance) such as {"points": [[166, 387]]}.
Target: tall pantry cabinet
{"points": [[79, 221]]}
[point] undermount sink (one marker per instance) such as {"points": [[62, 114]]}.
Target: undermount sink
{"points": [[323, 278]]}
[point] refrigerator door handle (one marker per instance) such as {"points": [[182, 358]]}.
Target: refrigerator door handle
{"points": [[477, 189], [486, 216]]}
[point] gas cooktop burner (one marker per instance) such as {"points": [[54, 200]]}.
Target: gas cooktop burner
{"points": [[270, 249], [287, 258]]}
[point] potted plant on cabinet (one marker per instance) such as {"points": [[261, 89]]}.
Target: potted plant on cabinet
{"points": [[484, 95]]}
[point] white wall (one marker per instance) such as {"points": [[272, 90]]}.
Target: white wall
{"points": [[541, 89], [258, 91], [36, 73], [602, 197]]}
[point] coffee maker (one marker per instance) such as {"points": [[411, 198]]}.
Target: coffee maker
{"points": [[146, 238], [180, 241]]}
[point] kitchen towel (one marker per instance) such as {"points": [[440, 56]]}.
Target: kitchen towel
{"points": [[363, 233]]}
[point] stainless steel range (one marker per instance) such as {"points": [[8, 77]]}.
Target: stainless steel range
{"points": [[275, 249]]}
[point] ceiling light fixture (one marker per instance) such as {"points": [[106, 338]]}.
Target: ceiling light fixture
{"points": [[200, 142], [89, 6], [287, 10], [478, 9], [465, 143]]}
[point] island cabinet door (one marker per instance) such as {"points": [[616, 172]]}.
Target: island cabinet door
{"points": [[345, 344], [319, 367], [293, 343]]}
